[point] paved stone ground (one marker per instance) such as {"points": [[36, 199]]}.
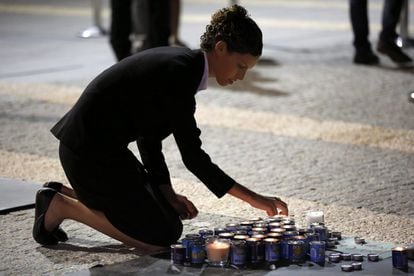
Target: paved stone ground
{"points": [[309, 126]]}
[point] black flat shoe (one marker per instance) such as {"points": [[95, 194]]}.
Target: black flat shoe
{"points": [[366, 58], [395, 53], [60, 235], [58, 232], [57, 186], [43, 198]]}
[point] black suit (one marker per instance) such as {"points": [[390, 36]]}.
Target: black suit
{"points": [[143, 98]]}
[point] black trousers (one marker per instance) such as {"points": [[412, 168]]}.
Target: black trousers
{"points": [[360, 23], [116, 184], [121, 27], [157, 26]]}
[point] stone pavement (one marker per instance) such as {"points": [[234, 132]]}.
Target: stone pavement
{"points": [[308, 125]]}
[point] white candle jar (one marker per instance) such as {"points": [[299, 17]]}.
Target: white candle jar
{"points": [[314, 217], [217, 251]]}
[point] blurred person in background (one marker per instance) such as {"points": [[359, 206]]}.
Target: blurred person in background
{"points": [[387, 38], [175, 6], [157, 25]]}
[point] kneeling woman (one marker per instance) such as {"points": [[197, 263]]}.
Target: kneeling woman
{"points": [[145, 98]]}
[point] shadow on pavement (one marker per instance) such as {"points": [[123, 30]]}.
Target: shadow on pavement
{"points": [[63, 248], [249, 84]]}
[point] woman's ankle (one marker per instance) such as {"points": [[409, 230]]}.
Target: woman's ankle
{"points": [[53, 217]]}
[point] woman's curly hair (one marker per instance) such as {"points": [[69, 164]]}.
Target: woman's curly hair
{"points": [[235, 27]]}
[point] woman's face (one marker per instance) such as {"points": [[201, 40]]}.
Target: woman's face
{"points": [[229, 67]]}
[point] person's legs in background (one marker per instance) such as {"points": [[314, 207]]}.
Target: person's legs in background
{"points": [[175, 6], [390, 17], [360, 28], [121, 28], [387, 39], [158, 25]]}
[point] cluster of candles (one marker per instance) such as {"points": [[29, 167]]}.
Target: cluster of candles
{"points": [[269, 241], [256, 242]]}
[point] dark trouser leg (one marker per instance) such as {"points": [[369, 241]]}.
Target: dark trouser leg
{"points": [[387, 43], [121, 28], [360, 24], [158, 24], [390, 18]]}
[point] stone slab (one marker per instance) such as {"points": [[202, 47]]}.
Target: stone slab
{"points": [[154, 266], [16, 195], [160, 265]]}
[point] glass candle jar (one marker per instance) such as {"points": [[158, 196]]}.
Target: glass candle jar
{"points": [[217, 251]]}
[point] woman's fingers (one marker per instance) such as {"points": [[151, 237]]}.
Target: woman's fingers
{"points": [[191, 209], [279, 207], [283, 211]]}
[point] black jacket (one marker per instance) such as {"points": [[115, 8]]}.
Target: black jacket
{"points": [[145, 98]]}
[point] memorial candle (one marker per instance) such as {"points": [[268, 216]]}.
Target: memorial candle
{"points": [[399, 257], [217, 251], [314, 216]]}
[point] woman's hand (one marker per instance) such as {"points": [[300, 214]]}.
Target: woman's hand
{"points": [[184, 207], [272, 205]]}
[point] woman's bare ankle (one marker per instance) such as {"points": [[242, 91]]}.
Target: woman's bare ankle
{"points": [[53, 216]]}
